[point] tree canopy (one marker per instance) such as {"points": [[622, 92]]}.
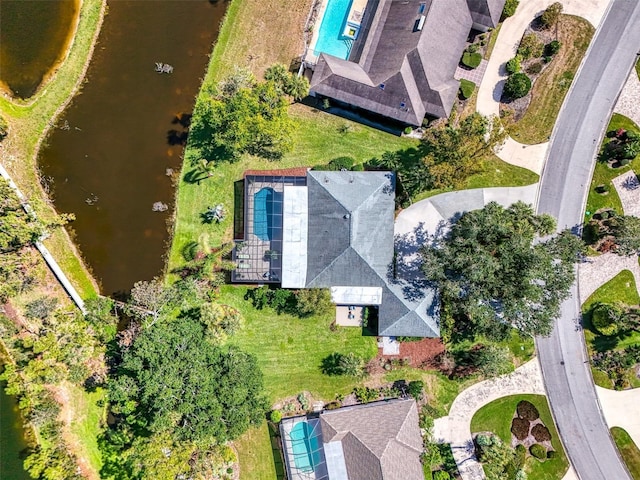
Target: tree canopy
{"points": [[492, 276], [240, 115], [173, 380]]}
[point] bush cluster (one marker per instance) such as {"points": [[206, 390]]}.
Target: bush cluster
{"points": [[527, 410], [605, 318], [517, 85], [514, 65], [530, 46], [551, 15], [467, 88], [552, 48], [541, 433], [538, 451], [520, 428], [509, 9]]}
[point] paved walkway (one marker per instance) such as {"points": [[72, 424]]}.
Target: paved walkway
{"points": [[629, 100], [531, 157], [456, 427], [473, 75], [628, 188], [51, 262], [596, 271]]}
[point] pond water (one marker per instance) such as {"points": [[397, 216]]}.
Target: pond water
{"points": [[34, 35], [12, 441], [110, 158]]}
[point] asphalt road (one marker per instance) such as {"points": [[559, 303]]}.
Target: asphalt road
{"points": [[563, 190]]}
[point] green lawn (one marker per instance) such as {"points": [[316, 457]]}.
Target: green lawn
{"points": [[496, 417], [290, 350], [317, 140], [256, 456], [621, 288], [88, 421], [549, 90], [603, 175], [628, 450]]}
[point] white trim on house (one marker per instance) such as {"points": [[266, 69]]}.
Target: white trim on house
{"points": [[295, 228]]}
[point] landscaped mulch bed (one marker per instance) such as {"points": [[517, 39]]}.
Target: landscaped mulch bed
{"points": [[421, 354]]}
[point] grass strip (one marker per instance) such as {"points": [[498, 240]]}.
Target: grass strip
{"points": [[628, 450]]}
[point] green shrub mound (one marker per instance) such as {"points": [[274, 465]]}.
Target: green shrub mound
{"points": [[514, 65], [341, 162], [520, 428], [605, 317], [471, 60], [467, 88], [538, 451], [275, 416], [541, 433], [552, 454], [527, 410], [509, 9], [552, 48], [517, 85], [441, 475]]}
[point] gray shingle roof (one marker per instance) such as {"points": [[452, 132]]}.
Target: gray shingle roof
{"points": [[486, 13], [351, 243], [380, 440], [416, 67]]}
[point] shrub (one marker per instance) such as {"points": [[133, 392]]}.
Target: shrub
{"points": [[534, 68], [341, 162], [538, 451], [471, 60], [527, 410], [473, 48], [520, 475], [605, 317], [550, 16], [514, 65], [552, 454], [521, 456], [552, 48], [341, 364], [408, 130], [415, 389], [517, 85], [358, 167], [466, 88], [484, 440], [540, 433], [520, 428], [530, 46], [275, 416], [509, 9], [332, 405], [365, 394], [441, 475], [314, 301], [41, 308]]}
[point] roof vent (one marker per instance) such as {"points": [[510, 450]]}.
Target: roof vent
{"points": [[381, 86], [421, 23], [402, 104], [346, 216]]}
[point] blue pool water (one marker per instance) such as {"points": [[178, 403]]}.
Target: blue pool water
{"points": [[267, 210], [330, 38], [305, 446]]}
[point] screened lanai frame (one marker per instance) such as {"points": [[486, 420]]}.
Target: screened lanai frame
{"points": [[258, 256], [312, 449]]}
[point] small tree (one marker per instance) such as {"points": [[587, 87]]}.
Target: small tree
{"points": [[492, 360], [314, 301], [514, 65], [551, 15], [605, 318], [509, 9], [517, 85], [343, 364]]}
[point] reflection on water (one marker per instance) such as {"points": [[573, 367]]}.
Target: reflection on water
{"points": [[33, 37], [110, 159], [12, 441]]}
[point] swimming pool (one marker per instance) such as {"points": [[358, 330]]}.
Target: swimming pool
{"points": [[331, 39], [305, 446], [267, 213]]}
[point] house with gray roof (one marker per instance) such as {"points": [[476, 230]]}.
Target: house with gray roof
{"points": [[402, 63], [332, 230], [375, 441]]}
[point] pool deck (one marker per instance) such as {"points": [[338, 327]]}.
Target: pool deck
{"points": [[356, 12]]}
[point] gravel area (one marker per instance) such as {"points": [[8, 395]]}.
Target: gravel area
{"points": [[628, 102], [628, 188]]}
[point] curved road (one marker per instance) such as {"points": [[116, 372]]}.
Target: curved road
{"points": [[563, 190]]}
